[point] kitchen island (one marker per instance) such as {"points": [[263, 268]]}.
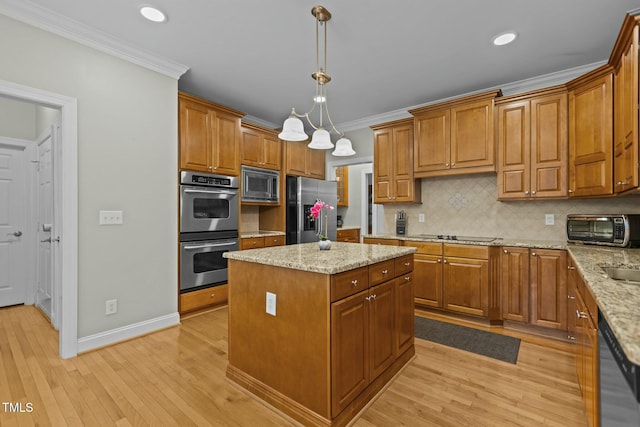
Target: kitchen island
{"points": [[318, 334]]}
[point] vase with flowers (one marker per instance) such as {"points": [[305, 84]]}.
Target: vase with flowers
{"points": [[320, 211]]}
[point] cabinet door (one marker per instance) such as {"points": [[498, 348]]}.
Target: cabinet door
{"points": [[404, 313], [295, 158], [250, 147], [466, 285], [403, 163], [572, 304], [548, 277], [427, 271], [316, 163], [195, 136], [342, 178], [514, 284], [590, 138], [472, 138], [626, 118], [382, 327], [514, 154], [349, 349], [383, 165], [432, 141], [271, 152], [226, 129], [549, 146]]}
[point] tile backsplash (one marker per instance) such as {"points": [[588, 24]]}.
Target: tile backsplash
{"points": [[467, 206]]}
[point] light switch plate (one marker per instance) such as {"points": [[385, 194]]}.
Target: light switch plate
{"points": [[271, 303], [421, 217], [110, 217], [549, 219]]}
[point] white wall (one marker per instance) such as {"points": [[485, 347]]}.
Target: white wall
{"points": [[127, 157], [17, 119]]}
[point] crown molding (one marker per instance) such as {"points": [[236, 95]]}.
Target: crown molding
{"points": [[520, 86], [48, 20]]}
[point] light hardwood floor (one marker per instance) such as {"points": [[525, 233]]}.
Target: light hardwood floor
{"points": [[177, 377]]}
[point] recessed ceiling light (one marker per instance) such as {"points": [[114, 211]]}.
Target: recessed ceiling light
{"points": [[153, 14], [504, 38]]}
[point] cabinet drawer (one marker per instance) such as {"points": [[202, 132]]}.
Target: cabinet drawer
{"points": [[466, 251], [381, 272], [349, 283], [374, 241], [251, 243], [403, 265], [273, 241], [195, 300], [427, 248], [349, 236]]}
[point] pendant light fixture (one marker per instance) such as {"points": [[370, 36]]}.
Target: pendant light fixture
{"points": [[293, 128]]}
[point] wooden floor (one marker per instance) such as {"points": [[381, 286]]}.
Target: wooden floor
{"points": [[177, 377]]}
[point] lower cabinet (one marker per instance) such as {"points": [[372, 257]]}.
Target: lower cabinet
{"points": [[534, 286], [370, 330], [428, 273], [376, 241], [583, 330], [203, 298], [351, 235], [261, 242], [466, 279]]}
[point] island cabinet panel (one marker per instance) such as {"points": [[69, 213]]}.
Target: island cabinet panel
{"points": [[382, 327], [591, 134], [349, 282], [549, 288]]}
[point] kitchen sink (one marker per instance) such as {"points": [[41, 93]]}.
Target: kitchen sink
{"points": [[629, 275]]}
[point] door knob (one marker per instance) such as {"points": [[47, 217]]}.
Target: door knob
{"points": [[47, 240], [17, 233]]}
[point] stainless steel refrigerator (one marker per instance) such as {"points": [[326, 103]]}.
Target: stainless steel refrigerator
{"points": [[302, 194]]}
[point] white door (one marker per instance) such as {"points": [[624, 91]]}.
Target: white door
{"points": [[44, 289], [13, 213]]}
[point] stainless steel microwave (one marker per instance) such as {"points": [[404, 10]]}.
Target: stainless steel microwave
{"points": [[607, 230], [260, 185]]}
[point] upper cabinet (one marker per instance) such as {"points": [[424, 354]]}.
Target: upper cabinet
{"points": [[300, 160], [209, 136], [260, 147], [342, 178], [591, 134], [455, 137], [393, 163], [624, 60], [532, 145]]}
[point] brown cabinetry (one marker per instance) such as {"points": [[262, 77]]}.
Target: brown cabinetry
{"points": [[534, 286], [209, 136], [300, 160], [352, 235], [428, 273], [532, 145], [261, 242], [393, 163], [260, 147], [591, 134], [624, 60], [455, 137], [376, 241], [583, 330], [203, 298], [342, 178]]}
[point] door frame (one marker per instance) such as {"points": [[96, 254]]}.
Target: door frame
{"points": [[67, 199]]}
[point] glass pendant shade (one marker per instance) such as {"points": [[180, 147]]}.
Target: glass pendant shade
{"points": [[343, 148], [293, 130], [320, 140]]}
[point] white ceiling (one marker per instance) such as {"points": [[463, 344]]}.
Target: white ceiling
{"points": [[257, 56]]}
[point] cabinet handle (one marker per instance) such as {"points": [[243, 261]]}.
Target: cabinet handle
{"points": [[213, 295], [446, 165], [571, 191], [407, 278], [373, 296], [453, 164], [445, 261], [533, 193], [533, 254], [439, 260], [368, 298], [526, 192], [570, 297], [570, 337], [581, 314], [385, 271], [505, 251], [407, 264], [570, 267], [354, 282]]}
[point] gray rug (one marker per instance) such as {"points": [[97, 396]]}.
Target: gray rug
{"points": [[499, 347]]}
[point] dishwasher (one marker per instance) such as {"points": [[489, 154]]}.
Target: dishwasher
{"points": [[619, 382]]}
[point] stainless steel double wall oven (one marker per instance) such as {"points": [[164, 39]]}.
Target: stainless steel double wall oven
{"points": [[208, 228]]}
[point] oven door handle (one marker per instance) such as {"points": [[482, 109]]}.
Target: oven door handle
{"points": [[208, 245], [188, 190]]}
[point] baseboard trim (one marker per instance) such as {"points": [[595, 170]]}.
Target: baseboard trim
{"points": [[124, 333]]}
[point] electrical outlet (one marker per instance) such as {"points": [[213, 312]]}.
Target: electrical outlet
{"points": [[549, 219], [421, 217], [110, 217], [112, 307], [271, 303]]}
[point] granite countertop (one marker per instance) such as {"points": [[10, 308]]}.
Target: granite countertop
{"points": [[537, 244], [308, 257], [260, 233], [618, 301], [349, 227]]}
